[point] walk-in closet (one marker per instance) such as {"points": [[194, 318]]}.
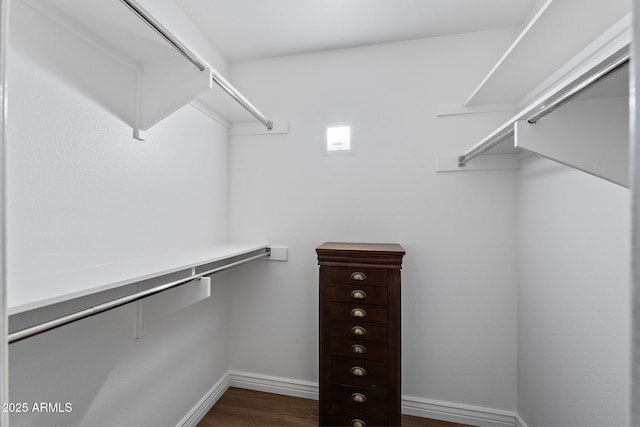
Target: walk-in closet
{"points": [[386, 208]]}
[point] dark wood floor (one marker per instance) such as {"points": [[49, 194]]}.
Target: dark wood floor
{"points": [[240, 407]]}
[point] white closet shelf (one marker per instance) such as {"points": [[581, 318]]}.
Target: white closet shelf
{"points": [[35, 292], [606, 153], [555, 32], [170, 72]]}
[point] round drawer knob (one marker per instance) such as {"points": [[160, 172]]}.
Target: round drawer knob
{"points": [[359, 276], [358, 371], [358, 349], [358, 398], [357, 423], [358, 330], [358, 294], [358, 312]]}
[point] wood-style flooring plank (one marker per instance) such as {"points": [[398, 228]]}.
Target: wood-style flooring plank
{"points": [[239, 407], [248, 408], [411, 421]]}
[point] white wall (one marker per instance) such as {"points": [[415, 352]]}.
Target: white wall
{"points": [[634, 119], [4, 348], [574, 298], [459, 274], [81, 192]]}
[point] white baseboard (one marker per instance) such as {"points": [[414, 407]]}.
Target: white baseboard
{"points": [[520, 422], [206, 403], [427, 408], [277, 385], [457, 412]]}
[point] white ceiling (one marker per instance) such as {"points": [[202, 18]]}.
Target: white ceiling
{"points": [[254, 29]]}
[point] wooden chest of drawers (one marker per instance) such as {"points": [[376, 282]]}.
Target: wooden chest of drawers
{"points": [[359, 334]]}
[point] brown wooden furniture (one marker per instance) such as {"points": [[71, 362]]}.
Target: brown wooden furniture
{"points": [[360, 334]]}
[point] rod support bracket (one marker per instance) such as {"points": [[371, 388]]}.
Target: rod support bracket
{"points": [[462, 161]]}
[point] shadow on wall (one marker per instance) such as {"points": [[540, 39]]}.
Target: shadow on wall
{"points": [[60, 373]]}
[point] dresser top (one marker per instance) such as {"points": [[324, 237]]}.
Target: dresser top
{"points": [[361, 247], [387, 255]]}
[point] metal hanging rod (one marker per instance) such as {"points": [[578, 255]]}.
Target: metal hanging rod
{"points": [[548, 103], [486, 144], [110, 305], [216, 77], [164, 33], [237, 96], [585, 83]]}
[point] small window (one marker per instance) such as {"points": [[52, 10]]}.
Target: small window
{"points": [[339, 138]]}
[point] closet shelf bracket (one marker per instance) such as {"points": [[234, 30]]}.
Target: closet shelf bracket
{"points": [[154, 79], [603, 146]]}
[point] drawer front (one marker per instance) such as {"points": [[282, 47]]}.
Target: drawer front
{"points": [[358, 349], [357, 372], [356, 275], [358, 400], [360, 330], [375, 295], [357, 419], [364, 313]]}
